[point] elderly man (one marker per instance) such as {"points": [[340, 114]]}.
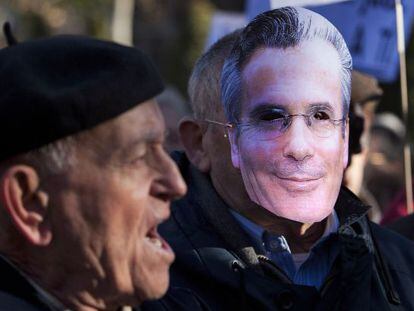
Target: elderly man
{"points": [[301, 242], [84, 177]]}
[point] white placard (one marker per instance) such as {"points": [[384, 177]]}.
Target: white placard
{"points": [[368, 27], [223, 23]]}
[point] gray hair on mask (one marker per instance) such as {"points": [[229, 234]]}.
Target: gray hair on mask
{"points": [[280, 28]]}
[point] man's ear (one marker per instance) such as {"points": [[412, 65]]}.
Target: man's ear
{"points": [[26, 203], [235, 156], [191, 135]]}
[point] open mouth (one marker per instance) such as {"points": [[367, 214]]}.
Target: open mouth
{"points": [[154, 238]]}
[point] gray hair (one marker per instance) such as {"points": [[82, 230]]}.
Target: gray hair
{"points": [[54, 157], [204, 84], [281, 28], [50, 159]]}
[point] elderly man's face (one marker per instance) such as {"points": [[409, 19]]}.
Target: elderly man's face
{"points": [[296, 175], [109, 205]]}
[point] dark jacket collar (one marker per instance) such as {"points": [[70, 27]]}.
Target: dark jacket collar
{"points": [[349, 207], [213, 211], [16, 283]]}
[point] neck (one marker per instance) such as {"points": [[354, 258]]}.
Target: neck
{"points": [[68, 291], [76, 290], [233, 193]]}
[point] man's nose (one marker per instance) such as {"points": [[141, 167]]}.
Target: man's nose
{"points": [[298, 140], [170, 184]]}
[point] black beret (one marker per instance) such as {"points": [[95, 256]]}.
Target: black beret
{"points": [[55, 87]]}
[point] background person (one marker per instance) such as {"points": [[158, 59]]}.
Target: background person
{"points": [[384, 171], [365, 96], [289, 249], [286, 93]]}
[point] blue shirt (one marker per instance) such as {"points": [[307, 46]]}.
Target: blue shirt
{"points": [[304, 269]]}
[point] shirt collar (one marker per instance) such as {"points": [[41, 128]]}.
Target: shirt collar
{"points": [[255, 231]]}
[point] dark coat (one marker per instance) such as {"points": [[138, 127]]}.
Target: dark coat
{"points": [[18, 294], [217, 263]]}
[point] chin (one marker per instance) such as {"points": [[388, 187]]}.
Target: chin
{"points": [[161, 288], [299, 215], [307, 209], [308, 218], [155, 288]]}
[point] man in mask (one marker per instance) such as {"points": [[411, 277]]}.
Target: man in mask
{"points": [[297, 240]]}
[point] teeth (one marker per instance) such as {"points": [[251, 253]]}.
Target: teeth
{"points": [[155, 241]]}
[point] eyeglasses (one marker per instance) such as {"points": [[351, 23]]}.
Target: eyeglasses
{"points": [[271, 125], [276, 124], [225, 125]]}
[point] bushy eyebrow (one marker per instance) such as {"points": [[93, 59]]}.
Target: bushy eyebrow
{"points": [[321, 106], [154, 136]]}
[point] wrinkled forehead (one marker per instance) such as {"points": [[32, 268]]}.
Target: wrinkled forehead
{"points": [[142, 124]]}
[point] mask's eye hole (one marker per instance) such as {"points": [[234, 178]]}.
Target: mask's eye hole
{"points": [[321, 116], [271, 115]]}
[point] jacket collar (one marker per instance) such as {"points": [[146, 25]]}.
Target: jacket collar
{"points": [[18, 284], [214, 212], [349, 207]]}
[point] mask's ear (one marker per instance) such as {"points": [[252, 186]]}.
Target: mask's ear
{"points": [[191, 135], [346, 145], [26, 204], [235, 155]]}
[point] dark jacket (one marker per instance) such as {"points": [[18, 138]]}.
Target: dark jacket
{"points": [[217, 263], [17, 293]]}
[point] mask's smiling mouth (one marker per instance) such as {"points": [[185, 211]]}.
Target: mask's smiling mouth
{"points": [[298, 172], [298, 178], [299, 183]]}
